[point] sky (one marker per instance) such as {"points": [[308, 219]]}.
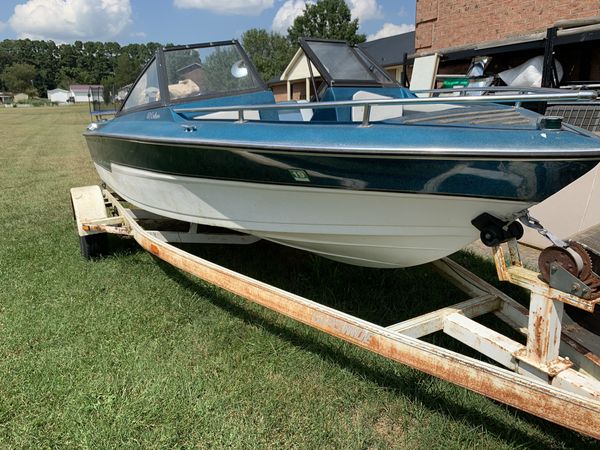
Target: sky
{"points": [[180, 21]]}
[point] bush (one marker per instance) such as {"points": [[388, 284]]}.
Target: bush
{"points": [[35, 102]]}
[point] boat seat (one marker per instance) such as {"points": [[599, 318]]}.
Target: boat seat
{"points": [[184, 88], [297, 115], [250, 114], [429, 108], [378, 113], [307, 114]]}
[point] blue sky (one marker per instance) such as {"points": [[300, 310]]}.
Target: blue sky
{"points": [[179, 21]]}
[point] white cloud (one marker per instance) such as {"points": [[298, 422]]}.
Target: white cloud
{"points": [[391, 29], [284, 18], [242, 7], [68, 20], [2, 26], [364, 10], [138, 34]]}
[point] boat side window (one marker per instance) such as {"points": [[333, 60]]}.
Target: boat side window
{"points": [[146, 90], [192, 72]]}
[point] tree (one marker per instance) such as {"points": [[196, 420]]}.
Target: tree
{"points": [[270, 52], [131, 60], [217, 75], [19, 78], [326, 19], [177, 60], [76, 63], [126, 70]]}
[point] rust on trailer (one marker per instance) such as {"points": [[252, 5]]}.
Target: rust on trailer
{"points": [[544, 329], [515, 273], [103, 228], [595, 359]]}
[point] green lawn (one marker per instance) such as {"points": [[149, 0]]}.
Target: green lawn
{"points": [[129, 352]]}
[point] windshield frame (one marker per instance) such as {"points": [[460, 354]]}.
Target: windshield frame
{"points": [[360, 55], [150, 105], [165, 97]]}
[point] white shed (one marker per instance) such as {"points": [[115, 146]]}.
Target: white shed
{"points": [[80, 92], [58, 95], [21, 97]]}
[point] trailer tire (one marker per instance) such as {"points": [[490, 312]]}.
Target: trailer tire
{"points": [[93, 246]]}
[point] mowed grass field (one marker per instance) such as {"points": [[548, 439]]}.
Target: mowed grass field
{"points": [[129, 352]]}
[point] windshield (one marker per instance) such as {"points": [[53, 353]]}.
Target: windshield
{"points": [[341, 62], [146, 90], [207, 70]]}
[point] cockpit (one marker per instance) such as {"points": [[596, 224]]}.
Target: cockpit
{"points": [[221, 74]]}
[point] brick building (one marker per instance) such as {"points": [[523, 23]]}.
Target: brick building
{"points": [[511, 32], [442, 24]]}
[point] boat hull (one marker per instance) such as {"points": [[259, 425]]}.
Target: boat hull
{"points": [[525, 178], [366, 228]]}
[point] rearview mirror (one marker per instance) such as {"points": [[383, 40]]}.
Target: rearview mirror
{"points": [[239, 69]]}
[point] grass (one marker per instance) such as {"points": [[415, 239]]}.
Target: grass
{"points": [[129, 352]]}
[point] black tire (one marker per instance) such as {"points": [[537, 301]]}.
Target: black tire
{"points": [[93, 246]]}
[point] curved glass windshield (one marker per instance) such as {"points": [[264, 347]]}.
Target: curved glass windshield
{"points": [[146, 90], [207, 70]]}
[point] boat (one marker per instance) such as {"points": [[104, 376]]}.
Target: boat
{"points": [[368, 173]]}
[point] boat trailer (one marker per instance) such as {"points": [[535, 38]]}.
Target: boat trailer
{"points": [[555, 375]]}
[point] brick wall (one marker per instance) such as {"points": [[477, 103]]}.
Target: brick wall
{"points": [[450, 23]]}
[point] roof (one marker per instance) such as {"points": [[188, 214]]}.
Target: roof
{"points": [[54, 91], [276, 81], [84, 87], [389, 51], [6, 94], [297, 69]]}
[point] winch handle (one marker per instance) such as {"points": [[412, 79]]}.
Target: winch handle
{"points": [[526, 219], [531, 222]]}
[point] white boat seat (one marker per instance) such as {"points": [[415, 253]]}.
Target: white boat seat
{"points": [[296, 115], [378, 113], [430, 107], [183, 89], [307, 113], [249, 114]]}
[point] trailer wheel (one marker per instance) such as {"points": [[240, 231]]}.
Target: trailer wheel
{"points": [[93, 246]]}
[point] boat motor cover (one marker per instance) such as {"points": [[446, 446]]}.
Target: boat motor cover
{"points": [[528, 74]]}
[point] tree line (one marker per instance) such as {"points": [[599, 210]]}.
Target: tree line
{"points": [[34, 67]]}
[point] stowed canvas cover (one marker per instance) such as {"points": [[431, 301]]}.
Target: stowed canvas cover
{"points": [[528, 74]]}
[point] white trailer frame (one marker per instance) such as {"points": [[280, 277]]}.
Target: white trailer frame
{"points": [[555, 375]]}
